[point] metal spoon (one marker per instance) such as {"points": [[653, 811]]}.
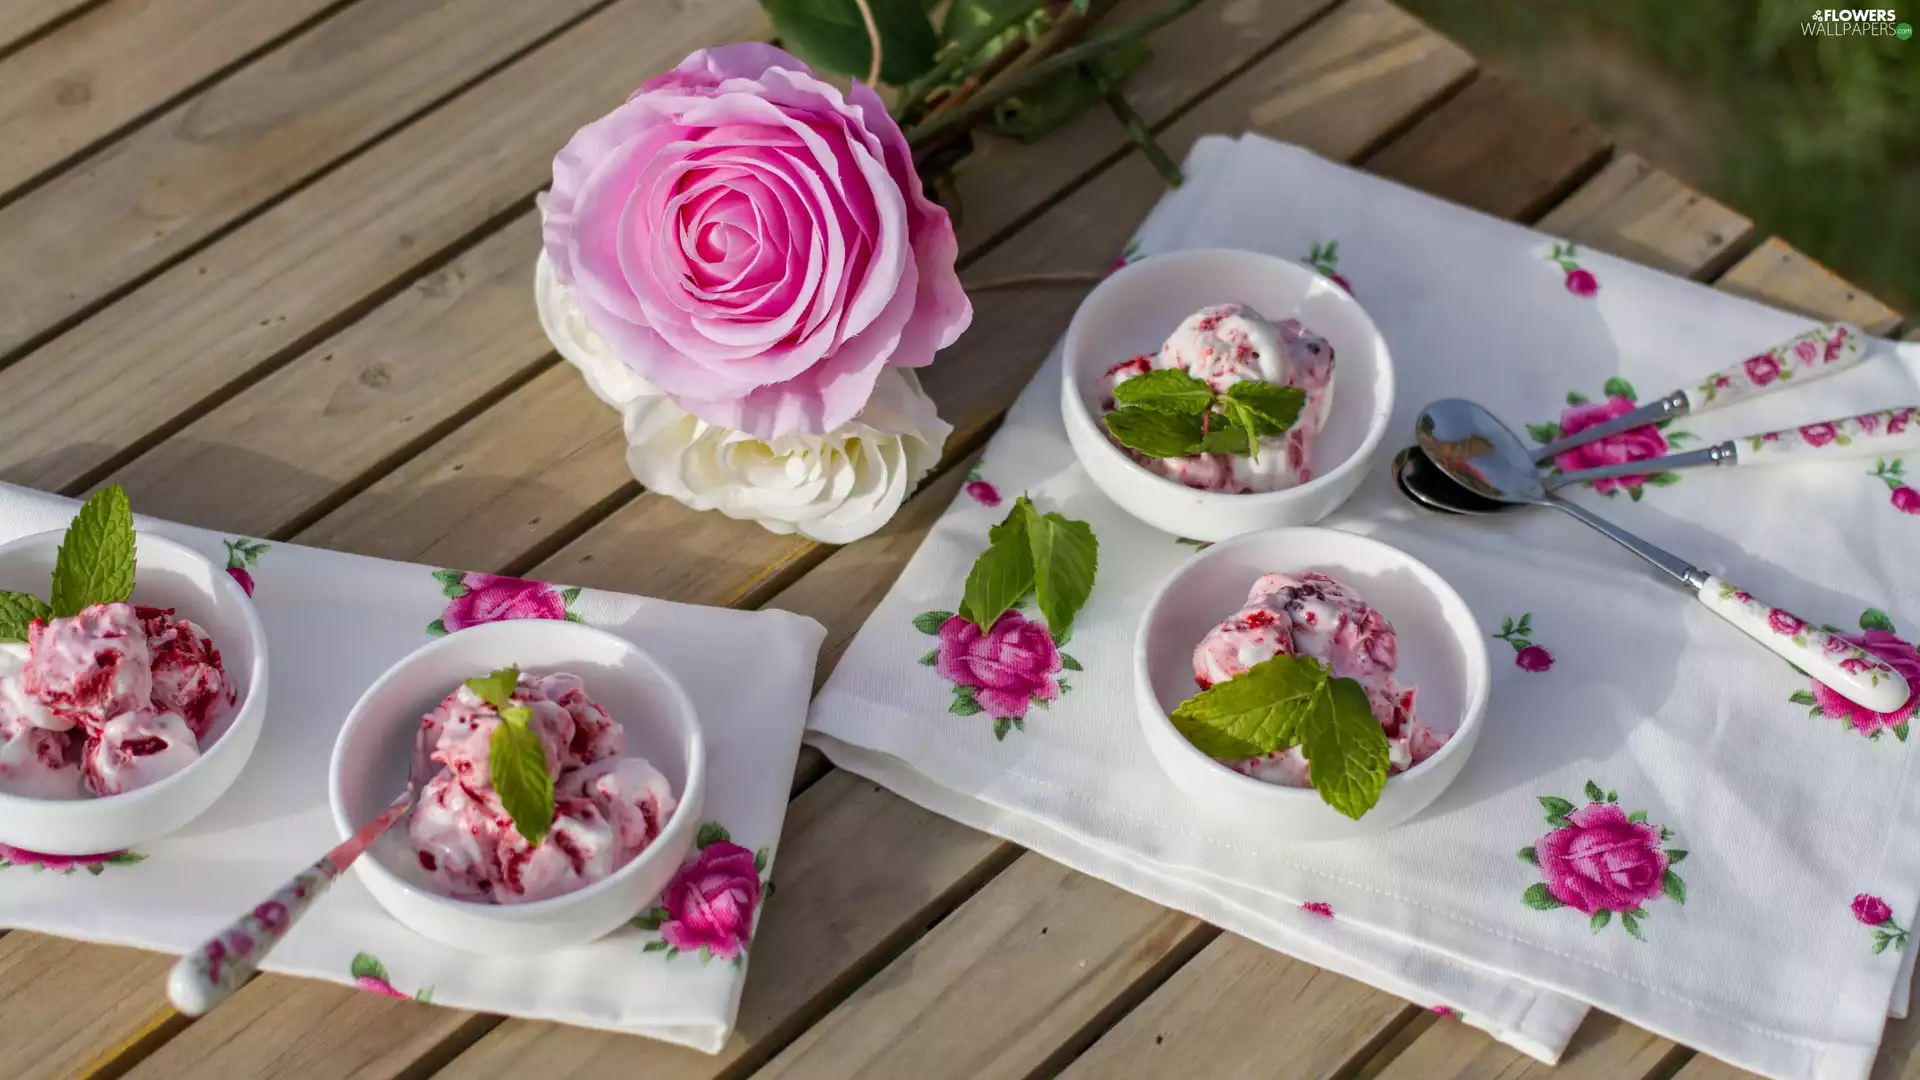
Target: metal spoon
{"points": [[1482, 455], [209, 974]]}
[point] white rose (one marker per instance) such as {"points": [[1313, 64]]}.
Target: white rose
{"points": [[833, 488]]}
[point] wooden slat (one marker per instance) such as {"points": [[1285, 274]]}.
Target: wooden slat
{"points": [[157, 193], [115, 1005], [1605, 1048], [1640, 212], [1776, 273], [21, 18], [149, 360], [1448, 152], [1034, 959], [120, 61]]}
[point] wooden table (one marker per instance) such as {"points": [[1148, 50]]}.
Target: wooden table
{"points": [[268, 264]]}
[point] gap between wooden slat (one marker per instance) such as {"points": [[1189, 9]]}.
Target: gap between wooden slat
{"points": [[26, 34]]}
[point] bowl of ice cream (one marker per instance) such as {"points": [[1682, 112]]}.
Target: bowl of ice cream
{"points": [[124, 721], [1368, 612], [622, 747], [1240, 325]]}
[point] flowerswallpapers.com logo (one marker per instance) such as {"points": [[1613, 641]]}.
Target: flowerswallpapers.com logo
{"points": [[1856, 22]]}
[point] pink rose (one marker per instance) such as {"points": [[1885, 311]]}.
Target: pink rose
{"points": [[1833, 345], [1871, 910], [754, 243], [1807, 352], [1602, 861], [1898, 655], [1634, 444], [1869, 422], [1581, 283], [1819, 434], [1897, 423], [492, 598], [1009, 666], [1906, 500], [710, 902], [1743, 596], [62, 864], [379, 986], [241, 575], [1533, 658], [272, 916], [1762, 369], [1318, 907], [1784, 623], [983, 493]]}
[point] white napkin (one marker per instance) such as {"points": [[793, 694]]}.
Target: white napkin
{"points": [[334, 623], [1785, 817]]}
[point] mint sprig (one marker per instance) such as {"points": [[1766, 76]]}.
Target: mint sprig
{"points": [[1168, 413], [94, 566], [1049, 555], [17, 612], [1290, 701], [516, 758]]}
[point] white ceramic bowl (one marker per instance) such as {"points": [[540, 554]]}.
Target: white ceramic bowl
{"points": [[1133, 311], [370, 762], [1441, 653], [170, 576]]}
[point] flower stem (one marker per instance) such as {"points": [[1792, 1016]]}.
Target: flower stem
{"points": [[1039, 72], [1137, 129], [873, 38], [963, 50]]}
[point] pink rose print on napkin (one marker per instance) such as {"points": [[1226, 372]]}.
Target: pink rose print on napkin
{"points": [[474, 599], [980, 491], [1872, 911], [709, 906], [241, 557], [1878, 637], [1324, 258], [1602, 861], [370, 975], [66, 864], [1580, 282], [1128, 254], [1526, 655], [1894, 474], [1002, 672], [1316, 907], [1634, 444]]}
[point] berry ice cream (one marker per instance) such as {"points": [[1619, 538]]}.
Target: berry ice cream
{"points": [[607, 808], [1313, 615], [105, 701], [1229, 343]]}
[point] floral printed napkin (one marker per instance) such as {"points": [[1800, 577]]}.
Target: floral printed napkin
{"points": [[334, 623], [1660, 819]]}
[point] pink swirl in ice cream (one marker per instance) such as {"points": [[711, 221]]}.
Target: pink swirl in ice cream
{"points": [[113, 698], [1224, 344], [607, 808], [1313, 615]]}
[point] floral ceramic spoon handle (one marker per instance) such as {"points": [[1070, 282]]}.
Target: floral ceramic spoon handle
{"points": [[1824, 350], [1889, 431], [1847, 669]]}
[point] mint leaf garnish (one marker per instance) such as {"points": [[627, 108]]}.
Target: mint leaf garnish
{"points": [[1065, 557], [497, 688], [1166, 390], [1155, 433], [95, 562], [17, 611], [520, 777], [1292, 701], [1273, 409], [1226, 439], [1003, 573]]}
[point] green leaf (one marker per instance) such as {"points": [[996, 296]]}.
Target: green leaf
{"points": [[1227, 438], [569, 594], [1244, 425], [497, 688], [1253, 713], [1676, 856], [1274, 409], [1665, 833], [1003, 573], [1506, 626], [1594, 794], [1675, 438], [1801, 697], [1634, 492], [437, 628], [17, 610], [932, 657], [1154, 433], [1001, 725], [1527, 854], [1070, 663], [1621, 388], [425, 996], [1600, 920], [710, 833], [1637, 815], [364, 966], [1066, 556], [964, 703], [1556, 806], [1880, 945], [95, 563], [1543, 433], [1060, 98], [650, 919], [1166, 390], [1900, 731], [760, 860], [452, 583], [520, 777], [1663, 479], [1539, 899], [1670, 883], [1632, 923], [1875, 619], [1346, 747], [126, 858], [930, 622], [832, 36], [1613, 796], [655, 945]]}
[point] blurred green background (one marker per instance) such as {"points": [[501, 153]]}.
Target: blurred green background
{"points": [[1815, 138]]}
